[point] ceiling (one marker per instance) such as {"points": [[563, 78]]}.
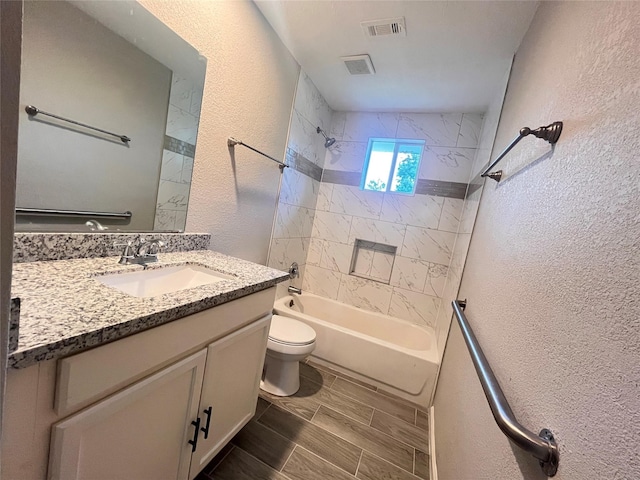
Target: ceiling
{"points": [[452, 59]]}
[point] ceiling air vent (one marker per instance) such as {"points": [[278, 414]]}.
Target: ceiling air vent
{"points": [[388, 26], [359, 65]]}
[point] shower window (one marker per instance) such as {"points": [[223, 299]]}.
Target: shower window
{"points": [[392, 165]]}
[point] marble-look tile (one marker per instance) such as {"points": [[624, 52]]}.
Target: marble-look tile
{"points": [[181, 92], [182, 125], [293, 221], [171, 168], [366, 294], [377, 231], [173, 195], [304, 139], [311, 104], [410, 274], [436, 280], [321, 281], [332, 226], [353, 201], [336, 256], [187, 170], [430, 245], [365, 437], [373, 467], [314, 254], [439, 129], [164, 220], [181, 221], [338, 121], [414, 307], [285, 251], [324, 196], [470, 130], [381, 266], [361, 126], [299, 163], [447, 164], [196, 101], [239, 465], [363, 262], [298, 189], [451, 213], [418, 210], [346, 156], [304, 465]]}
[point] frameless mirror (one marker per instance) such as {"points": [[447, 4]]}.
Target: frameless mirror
{"points": [[110, 105]]}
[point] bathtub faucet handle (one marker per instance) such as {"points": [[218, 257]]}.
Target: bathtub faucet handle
{"points": [[294, 271]]}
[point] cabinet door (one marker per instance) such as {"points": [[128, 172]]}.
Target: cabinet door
{"points": [[230, 388], [139, 433]]}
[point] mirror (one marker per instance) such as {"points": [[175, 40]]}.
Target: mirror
{"points": [[92, 70]]}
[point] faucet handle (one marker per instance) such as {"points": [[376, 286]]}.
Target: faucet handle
{"points": [[150, 247], [127, 253]]}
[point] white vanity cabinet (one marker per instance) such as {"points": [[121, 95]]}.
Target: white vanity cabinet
{"points": [[131, 409]]}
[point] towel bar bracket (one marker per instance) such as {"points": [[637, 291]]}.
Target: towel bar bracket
{"points": [[550, 467]]}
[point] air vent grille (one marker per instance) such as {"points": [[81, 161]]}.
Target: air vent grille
{"points": [[359, 65], [388, 26]]}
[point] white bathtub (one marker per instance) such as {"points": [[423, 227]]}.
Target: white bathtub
{"points": [[394, 355]]}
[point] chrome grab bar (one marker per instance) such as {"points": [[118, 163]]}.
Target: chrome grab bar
{"points": [[43, 212], [542, 446], [232, 142], [33, 111], [550, 133]]}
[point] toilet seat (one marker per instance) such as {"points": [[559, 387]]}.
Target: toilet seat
{"points": [[288, 331]]}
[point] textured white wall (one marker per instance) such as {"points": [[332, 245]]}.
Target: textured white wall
{"points": [[553, 272], [248, 94]]}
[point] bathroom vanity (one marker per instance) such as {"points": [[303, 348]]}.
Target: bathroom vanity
{"points": [[106, 384]]}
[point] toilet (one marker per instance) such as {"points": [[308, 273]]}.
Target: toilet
{"points": [[290, 341]]}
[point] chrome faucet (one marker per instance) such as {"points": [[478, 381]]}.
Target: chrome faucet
{"points": [[295, 290], [147, 252]]}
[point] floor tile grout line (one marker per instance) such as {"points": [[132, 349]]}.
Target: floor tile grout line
{"points": [[387, 461], [372, 415], [379, 431], [359, 460], [262, 413], [395, 438], [258, 460], [330, 463], [314, 413], [291, 454], [222, 459]]}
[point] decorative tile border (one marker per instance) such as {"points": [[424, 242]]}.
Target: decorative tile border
{"points": [[179, 146], [36, 247], [14, 324], [302, 165], [424, 186]]}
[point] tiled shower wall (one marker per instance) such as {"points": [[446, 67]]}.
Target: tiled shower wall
{"points": [[300, 183], [185, 100], [422, 227]]}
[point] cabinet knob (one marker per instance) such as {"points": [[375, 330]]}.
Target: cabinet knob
{"points": [[205, 429], [194, 442]]}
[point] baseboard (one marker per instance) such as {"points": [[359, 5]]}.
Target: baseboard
{"points": [[432, 444]]}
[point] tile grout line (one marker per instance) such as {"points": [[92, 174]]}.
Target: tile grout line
{"points": [[289, 458], [393, 464], [261, 414], [359, 461], [233, 447]]}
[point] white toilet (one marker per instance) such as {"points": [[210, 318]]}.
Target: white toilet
{"points": [[290, 341]]}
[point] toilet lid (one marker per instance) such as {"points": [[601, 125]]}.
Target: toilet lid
{"points": [[290, 331]]}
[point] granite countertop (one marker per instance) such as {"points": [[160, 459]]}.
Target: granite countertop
{"points": [[64, 309]]}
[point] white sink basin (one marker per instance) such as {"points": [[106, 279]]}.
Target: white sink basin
{"points": [[158, 281]]}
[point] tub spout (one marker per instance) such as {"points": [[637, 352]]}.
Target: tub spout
{"points": [[295, 290]]}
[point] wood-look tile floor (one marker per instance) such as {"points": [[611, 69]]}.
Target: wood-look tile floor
{"points": [[334, 428]]}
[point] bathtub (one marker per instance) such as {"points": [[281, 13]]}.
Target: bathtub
{"points": [[389, 353]]}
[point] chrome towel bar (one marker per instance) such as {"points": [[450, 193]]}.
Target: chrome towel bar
{"points": [[43, 212], [232, 142], [542, 446], [33, 111], [550, 133]]}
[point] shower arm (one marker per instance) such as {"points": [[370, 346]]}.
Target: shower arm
{"points": [[550, 133]]}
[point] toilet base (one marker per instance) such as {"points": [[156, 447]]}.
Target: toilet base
{"points": [[280, 377]]}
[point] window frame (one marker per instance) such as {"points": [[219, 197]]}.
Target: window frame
{"points": [[398, 142]]}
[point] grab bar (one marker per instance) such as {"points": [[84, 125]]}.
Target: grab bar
{"points": [[550, 133], [232, 142], [33, 111], [542, 446], [43, 212]]}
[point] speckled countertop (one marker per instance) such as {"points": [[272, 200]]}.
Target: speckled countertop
{"points": [[65, 309]]}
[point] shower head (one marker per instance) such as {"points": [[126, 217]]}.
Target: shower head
{"points": [[328, 141]]}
